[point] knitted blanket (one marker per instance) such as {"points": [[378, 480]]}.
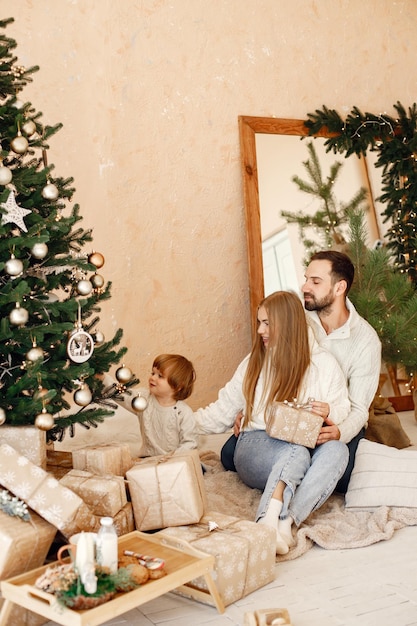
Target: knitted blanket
{"points": [[331, 527]]}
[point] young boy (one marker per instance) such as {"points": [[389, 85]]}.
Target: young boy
{"points": [[167, 423]]}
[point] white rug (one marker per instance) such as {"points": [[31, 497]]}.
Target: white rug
{"points": [[331, 527]]}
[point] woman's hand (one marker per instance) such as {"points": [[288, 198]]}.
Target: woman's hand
{"points": [[236, 425], [320, 408]]}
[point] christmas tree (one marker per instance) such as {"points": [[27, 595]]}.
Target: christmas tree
{"points": [[52, 353], [331, 219]]}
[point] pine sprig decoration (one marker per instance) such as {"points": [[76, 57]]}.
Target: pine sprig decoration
{"points": [[395, 142], [11, 505]]}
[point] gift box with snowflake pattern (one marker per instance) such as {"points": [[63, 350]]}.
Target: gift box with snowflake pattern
{"points": [[57, 504], [244, 552]]}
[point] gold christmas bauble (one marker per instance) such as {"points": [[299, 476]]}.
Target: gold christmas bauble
{"points": [[40, 394], [97, 281], [19, 144], [5, 175], [123, 374], [39, 250], [50, 192], [44, 421], [97, 259], [139, 403], [2, 416], [18, 316], [84, 287]]}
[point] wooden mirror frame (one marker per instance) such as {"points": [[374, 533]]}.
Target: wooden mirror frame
{"points": [[248, 127]]}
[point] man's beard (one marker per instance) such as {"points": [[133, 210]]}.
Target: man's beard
{"points": [[322, 305]]}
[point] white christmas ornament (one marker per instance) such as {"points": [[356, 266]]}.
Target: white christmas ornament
{"points": [[14, 212], [83, 396], [39, 250], [2, 416], [139, 403], [13, 266], [123, 374], [18, 316], [29, 127], [50, 192], [5, 175], [84, 287], [19, 144]]}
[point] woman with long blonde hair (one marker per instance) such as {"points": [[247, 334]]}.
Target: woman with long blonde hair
{"points": [[285, 363]]}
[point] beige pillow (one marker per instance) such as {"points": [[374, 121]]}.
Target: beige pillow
{"points": [[382, 476]]}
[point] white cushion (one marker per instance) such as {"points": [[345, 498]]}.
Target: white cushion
{"points": [[382, 476]]}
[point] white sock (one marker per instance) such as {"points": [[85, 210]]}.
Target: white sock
{"points": [[272, 513], [271, 518], [284, 529]]}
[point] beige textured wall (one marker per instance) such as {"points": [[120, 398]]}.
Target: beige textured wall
{"points": [[149, 93]]}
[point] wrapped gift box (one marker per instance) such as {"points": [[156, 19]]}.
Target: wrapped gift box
{"points": [[58, 463], [28, 440], [124, 521], [42, 492], [244, 552], [24, 545], [111, 459], [167, 491], [105, 495]]}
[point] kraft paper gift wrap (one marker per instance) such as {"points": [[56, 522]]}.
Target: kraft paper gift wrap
{"points": [[244, 552], [124, 521], [102, 460], [105, 495], [28, 440], [293, 423], [42, 492], [24, 545], [167, 490]]}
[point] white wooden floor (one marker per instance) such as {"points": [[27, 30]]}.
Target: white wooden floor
{"points": [[372, 586]]}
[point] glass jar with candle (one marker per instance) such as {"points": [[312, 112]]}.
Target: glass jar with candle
{"points": [[107, 544]]}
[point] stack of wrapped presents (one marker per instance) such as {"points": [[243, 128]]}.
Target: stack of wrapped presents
{"points": [[163, 494]]}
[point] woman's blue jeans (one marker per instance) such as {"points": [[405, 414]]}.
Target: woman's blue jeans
{"points": [[310, 475]]}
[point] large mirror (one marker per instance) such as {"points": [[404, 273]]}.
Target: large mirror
{"points": [[272, 152]]}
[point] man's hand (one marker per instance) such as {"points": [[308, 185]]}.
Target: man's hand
{"points": [[236, 425], [328, 432]]}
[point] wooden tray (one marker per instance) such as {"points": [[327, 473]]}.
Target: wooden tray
{"points": [[182, 564]]}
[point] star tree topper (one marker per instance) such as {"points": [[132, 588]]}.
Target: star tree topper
{"points": [[14, 212]]}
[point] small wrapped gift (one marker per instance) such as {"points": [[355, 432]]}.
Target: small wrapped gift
{"points": [[167, 490], [42, 492], [294, 422], [124, 521], [244, 551], [28, 440], [102, 460], [24, 545], [105, 495]]}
